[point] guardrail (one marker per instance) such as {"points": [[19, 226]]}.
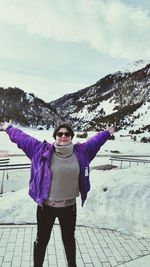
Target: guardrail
{"points": [[5, 167], [128, 159], [4, 161]]}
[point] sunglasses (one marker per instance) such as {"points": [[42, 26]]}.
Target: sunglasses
{"points": [[60, 134]]}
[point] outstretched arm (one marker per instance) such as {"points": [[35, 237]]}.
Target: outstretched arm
{"points": [[94, 143], [24, 141]]}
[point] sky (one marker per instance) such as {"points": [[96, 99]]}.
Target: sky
{"points": [[53, 47]]}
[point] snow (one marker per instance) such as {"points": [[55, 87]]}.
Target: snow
{"points": [[29, 97], [84, 113], [119, 199], [107, 105], [144, 115], [134, 66]]}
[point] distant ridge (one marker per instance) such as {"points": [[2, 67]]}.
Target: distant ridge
{"points": [[121, 98], [116, 99]]}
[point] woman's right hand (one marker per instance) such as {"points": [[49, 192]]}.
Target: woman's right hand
{"points": [[4, 125]]}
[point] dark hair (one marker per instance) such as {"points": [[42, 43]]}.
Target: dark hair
{"points": [[64, 125]]}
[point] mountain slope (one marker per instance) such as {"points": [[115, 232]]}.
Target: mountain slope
{"points": [[121, 98], [110, 99], [26, 109]]}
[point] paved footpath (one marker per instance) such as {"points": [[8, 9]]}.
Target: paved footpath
{"points": [[95, 248]]}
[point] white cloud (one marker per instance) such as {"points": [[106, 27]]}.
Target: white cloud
{"points": [[108, 26]]}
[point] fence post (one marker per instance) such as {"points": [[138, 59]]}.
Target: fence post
{"points": [[2, 184]]}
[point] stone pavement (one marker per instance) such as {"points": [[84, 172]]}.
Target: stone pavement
{"points": [[140, 262], [95, 247]]}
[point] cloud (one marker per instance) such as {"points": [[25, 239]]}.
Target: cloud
{"points": [[111, 27]]}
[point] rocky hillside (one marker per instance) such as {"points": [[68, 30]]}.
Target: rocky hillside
{"points": [[112, 99], [26, 109], [121, 98]]}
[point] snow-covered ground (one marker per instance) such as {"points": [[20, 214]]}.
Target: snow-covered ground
{"points": [[119, 198]]}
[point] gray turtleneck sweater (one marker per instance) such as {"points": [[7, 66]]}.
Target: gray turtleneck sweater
{"points": [[65, 174]]}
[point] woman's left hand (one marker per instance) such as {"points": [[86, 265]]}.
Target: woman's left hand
{"points": [[110, 129]]}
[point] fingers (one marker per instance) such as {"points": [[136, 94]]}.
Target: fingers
{"points": [[110, 129], [4, 125], [1, 125]]}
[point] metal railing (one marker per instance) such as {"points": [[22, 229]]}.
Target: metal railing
{"points": [[129, 160], [5, 166]]}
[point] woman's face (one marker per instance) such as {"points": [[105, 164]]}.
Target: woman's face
{"points": [[63, 137]]}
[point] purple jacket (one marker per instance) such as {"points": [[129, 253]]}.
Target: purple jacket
{"points": [[40, 154]]}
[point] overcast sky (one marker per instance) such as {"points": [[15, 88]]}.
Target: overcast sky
{"points": [[54, 47]]}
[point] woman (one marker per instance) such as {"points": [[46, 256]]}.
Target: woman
{"points": [[59, 173]]}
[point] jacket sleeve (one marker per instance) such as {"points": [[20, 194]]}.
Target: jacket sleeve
{"points": [[24, 141], [94, 143]]}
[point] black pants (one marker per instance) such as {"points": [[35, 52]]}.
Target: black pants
{"points": [[45, 220]]}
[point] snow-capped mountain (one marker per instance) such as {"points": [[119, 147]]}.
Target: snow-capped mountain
{"points": [[121, 98], [134, 66], [117, 98]]}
